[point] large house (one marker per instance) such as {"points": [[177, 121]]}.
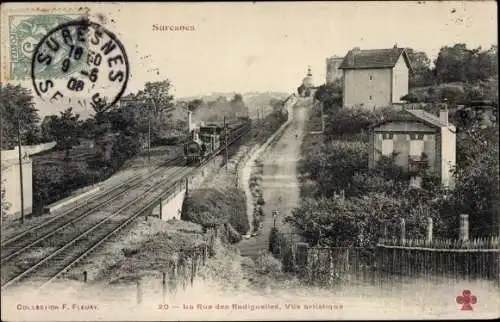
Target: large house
{"points": [[416, 136], [376, 77]]}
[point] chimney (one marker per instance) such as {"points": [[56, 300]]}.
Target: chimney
{"points": [[351, 56], [443, 114]]}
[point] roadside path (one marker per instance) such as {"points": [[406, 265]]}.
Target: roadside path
{"points": [[280, 185]]}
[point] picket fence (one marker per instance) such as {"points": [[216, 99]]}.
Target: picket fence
{"points": [[450, 259]]}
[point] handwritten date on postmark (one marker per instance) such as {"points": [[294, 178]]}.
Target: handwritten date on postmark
{"points": [[80, 61]]}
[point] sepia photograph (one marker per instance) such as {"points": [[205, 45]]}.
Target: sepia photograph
{"points": [[221, 161]]}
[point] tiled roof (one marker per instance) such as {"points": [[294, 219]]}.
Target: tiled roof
{"points": [[414, 115], [427, 117], [373, 58]]}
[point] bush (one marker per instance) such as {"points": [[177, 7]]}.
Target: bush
{"points": [[410, 97], [274, 242], [267, 264]]}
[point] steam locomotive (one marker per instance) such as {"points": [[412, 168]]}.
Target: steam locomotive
{"points": [[208, 140]]}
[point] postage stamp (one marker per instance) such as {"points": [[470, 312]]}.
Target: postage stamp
{"points": [[25, 28], [80, 60]]}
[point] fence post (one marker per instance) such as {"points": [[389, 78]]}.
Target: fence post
{"points": [[164, 286], [403, 230], [429, 230], [464, 227], [161, 208], [139, 291], [331, 272], [175, 276], [192, 271], [302, 250], [204, 254]]}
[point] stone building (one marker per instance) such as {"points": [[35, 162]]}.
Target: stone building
{"points": [[375, 78], [416, 136], [307, 88], [333, 72]]}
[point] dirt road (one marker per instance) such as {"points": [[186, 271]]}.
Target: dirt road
{"points": [[280, 185]]}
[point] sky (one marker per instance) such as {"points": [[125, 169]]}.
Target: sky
{"points": [[268, 46]]}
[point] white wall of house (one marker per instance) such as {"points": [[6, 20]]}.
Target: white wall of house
{"points": [[368, 87], [11, 177], [448, 156], [11, 183], [399, 80]]}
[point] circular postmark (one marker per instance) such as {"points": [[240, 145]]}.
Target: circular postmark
{"points": [[80, 62]]}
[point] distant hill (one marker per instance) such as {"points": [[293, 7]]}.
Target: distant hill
{"points": [[253, 101], [229, 95], [218, 105]]}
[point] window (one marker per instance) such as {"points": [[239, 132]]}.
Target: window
{"points": [[416, 147], [371, 77], [387, 143], [416, 136], [387, 147], [370, 97]]}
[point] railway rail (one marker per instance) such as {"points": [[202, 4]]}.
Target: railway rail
{"points": [[98, 229], [99, 199]]}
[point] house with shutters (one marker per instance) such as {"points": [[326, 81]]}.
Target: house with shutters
{"points": [[375, 78], [416, 137]]}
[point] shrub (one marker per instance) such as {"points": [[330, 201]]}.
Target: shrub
{"points": [[452, 94], [411, 97], [267, 264], [274, 242], [233, 236]]}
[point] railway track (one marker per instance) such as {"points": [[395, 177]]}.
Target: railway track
{"points": [[11, 245], [71, 240], [91, 231]]}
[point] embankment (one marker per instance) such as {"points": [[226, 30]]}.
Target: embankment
{"points": [[254, 153]]}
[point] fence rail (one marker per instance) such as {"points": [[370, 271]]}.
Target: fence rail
{"points": [[392, 258]]}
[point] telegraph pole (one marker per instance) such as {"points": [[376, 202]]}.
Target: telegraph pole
{"points": [[322, 118], [20, 169], [225, 141], [149, 137]]}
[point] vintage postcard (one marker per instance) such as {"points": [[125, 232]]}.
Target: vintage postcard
{"points": [[249, 161]]}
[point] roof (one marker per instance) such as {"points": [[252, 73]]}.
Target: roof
{"points": [[427, 117], [373, 58], [416, 115]]}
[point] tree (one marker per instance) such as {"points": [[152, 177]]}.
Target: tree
{"points": [[330, 95], [46, 127], [421, 65], [238, 106], [157, 95], [16, 104], [66, 130], [477, 175], [195, 104], [459, 64]]}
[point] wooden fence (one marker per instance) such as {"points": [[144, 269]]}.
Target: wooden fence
{"points": [[394, 258], [182, 269]]}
